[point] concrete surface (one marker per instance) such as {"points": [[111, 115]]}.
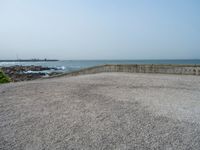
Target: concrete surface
{"points": [[139, 68], [102, 111]]}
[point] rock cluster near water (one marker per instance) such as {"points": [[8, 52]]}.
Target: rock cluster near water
{"points": [[24, 73]]}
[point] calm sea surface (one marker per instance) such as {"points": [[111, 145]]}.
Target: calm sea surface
{"points": [[72, 65]]}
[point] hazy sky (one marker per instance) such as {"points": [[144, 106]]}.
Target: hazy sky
{"points": [[100, 29]]}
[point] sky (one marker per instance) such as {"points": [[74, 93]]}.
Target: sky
{"points": [[100, 29]]}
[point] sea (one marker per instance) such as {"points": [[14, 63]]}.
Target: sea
{"points": [[73, 65]]}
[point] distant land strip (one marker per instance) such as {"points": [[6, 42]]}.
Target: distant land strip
{"points": [[29, 60]]}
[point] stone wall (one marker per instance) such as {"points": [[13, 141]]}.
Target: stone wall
{"points": [[134, 68]]}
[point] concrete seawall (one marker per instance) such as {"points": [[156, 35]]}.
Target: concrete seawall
{"points": [[139, 68]]}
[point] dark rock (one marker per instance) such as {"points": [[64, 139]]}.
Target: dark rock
{"points": [[17, 73], [54, 73]]}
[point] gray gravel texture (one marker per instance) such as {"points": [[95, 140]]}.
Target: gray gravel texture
{"points": [[101, 111]]}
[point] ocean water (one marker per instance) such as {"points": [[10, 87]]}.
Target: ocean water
{"points": [[72, 65]]}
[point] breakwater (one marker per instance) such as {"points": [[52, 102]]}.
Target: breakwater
{"points": [[140, 68], [28, 60]]}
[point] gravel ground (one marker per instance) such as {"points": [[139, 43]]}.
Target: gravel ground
{"points": [[102, 111]]}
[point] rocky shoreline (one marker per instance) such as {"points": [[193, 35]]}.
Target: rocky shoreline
{"points": [[25, 73]]}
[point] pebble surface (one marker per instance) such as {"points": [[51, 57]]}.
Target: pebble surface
{"points": [[101, 111]]}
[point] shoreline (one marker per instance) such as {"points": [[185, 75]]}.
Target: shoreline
{"points": [[24, 73], [29, 60]]}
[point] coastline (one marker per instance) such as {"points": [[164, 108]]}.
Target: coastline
{"points": [[24, 73], [29, 60]]}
